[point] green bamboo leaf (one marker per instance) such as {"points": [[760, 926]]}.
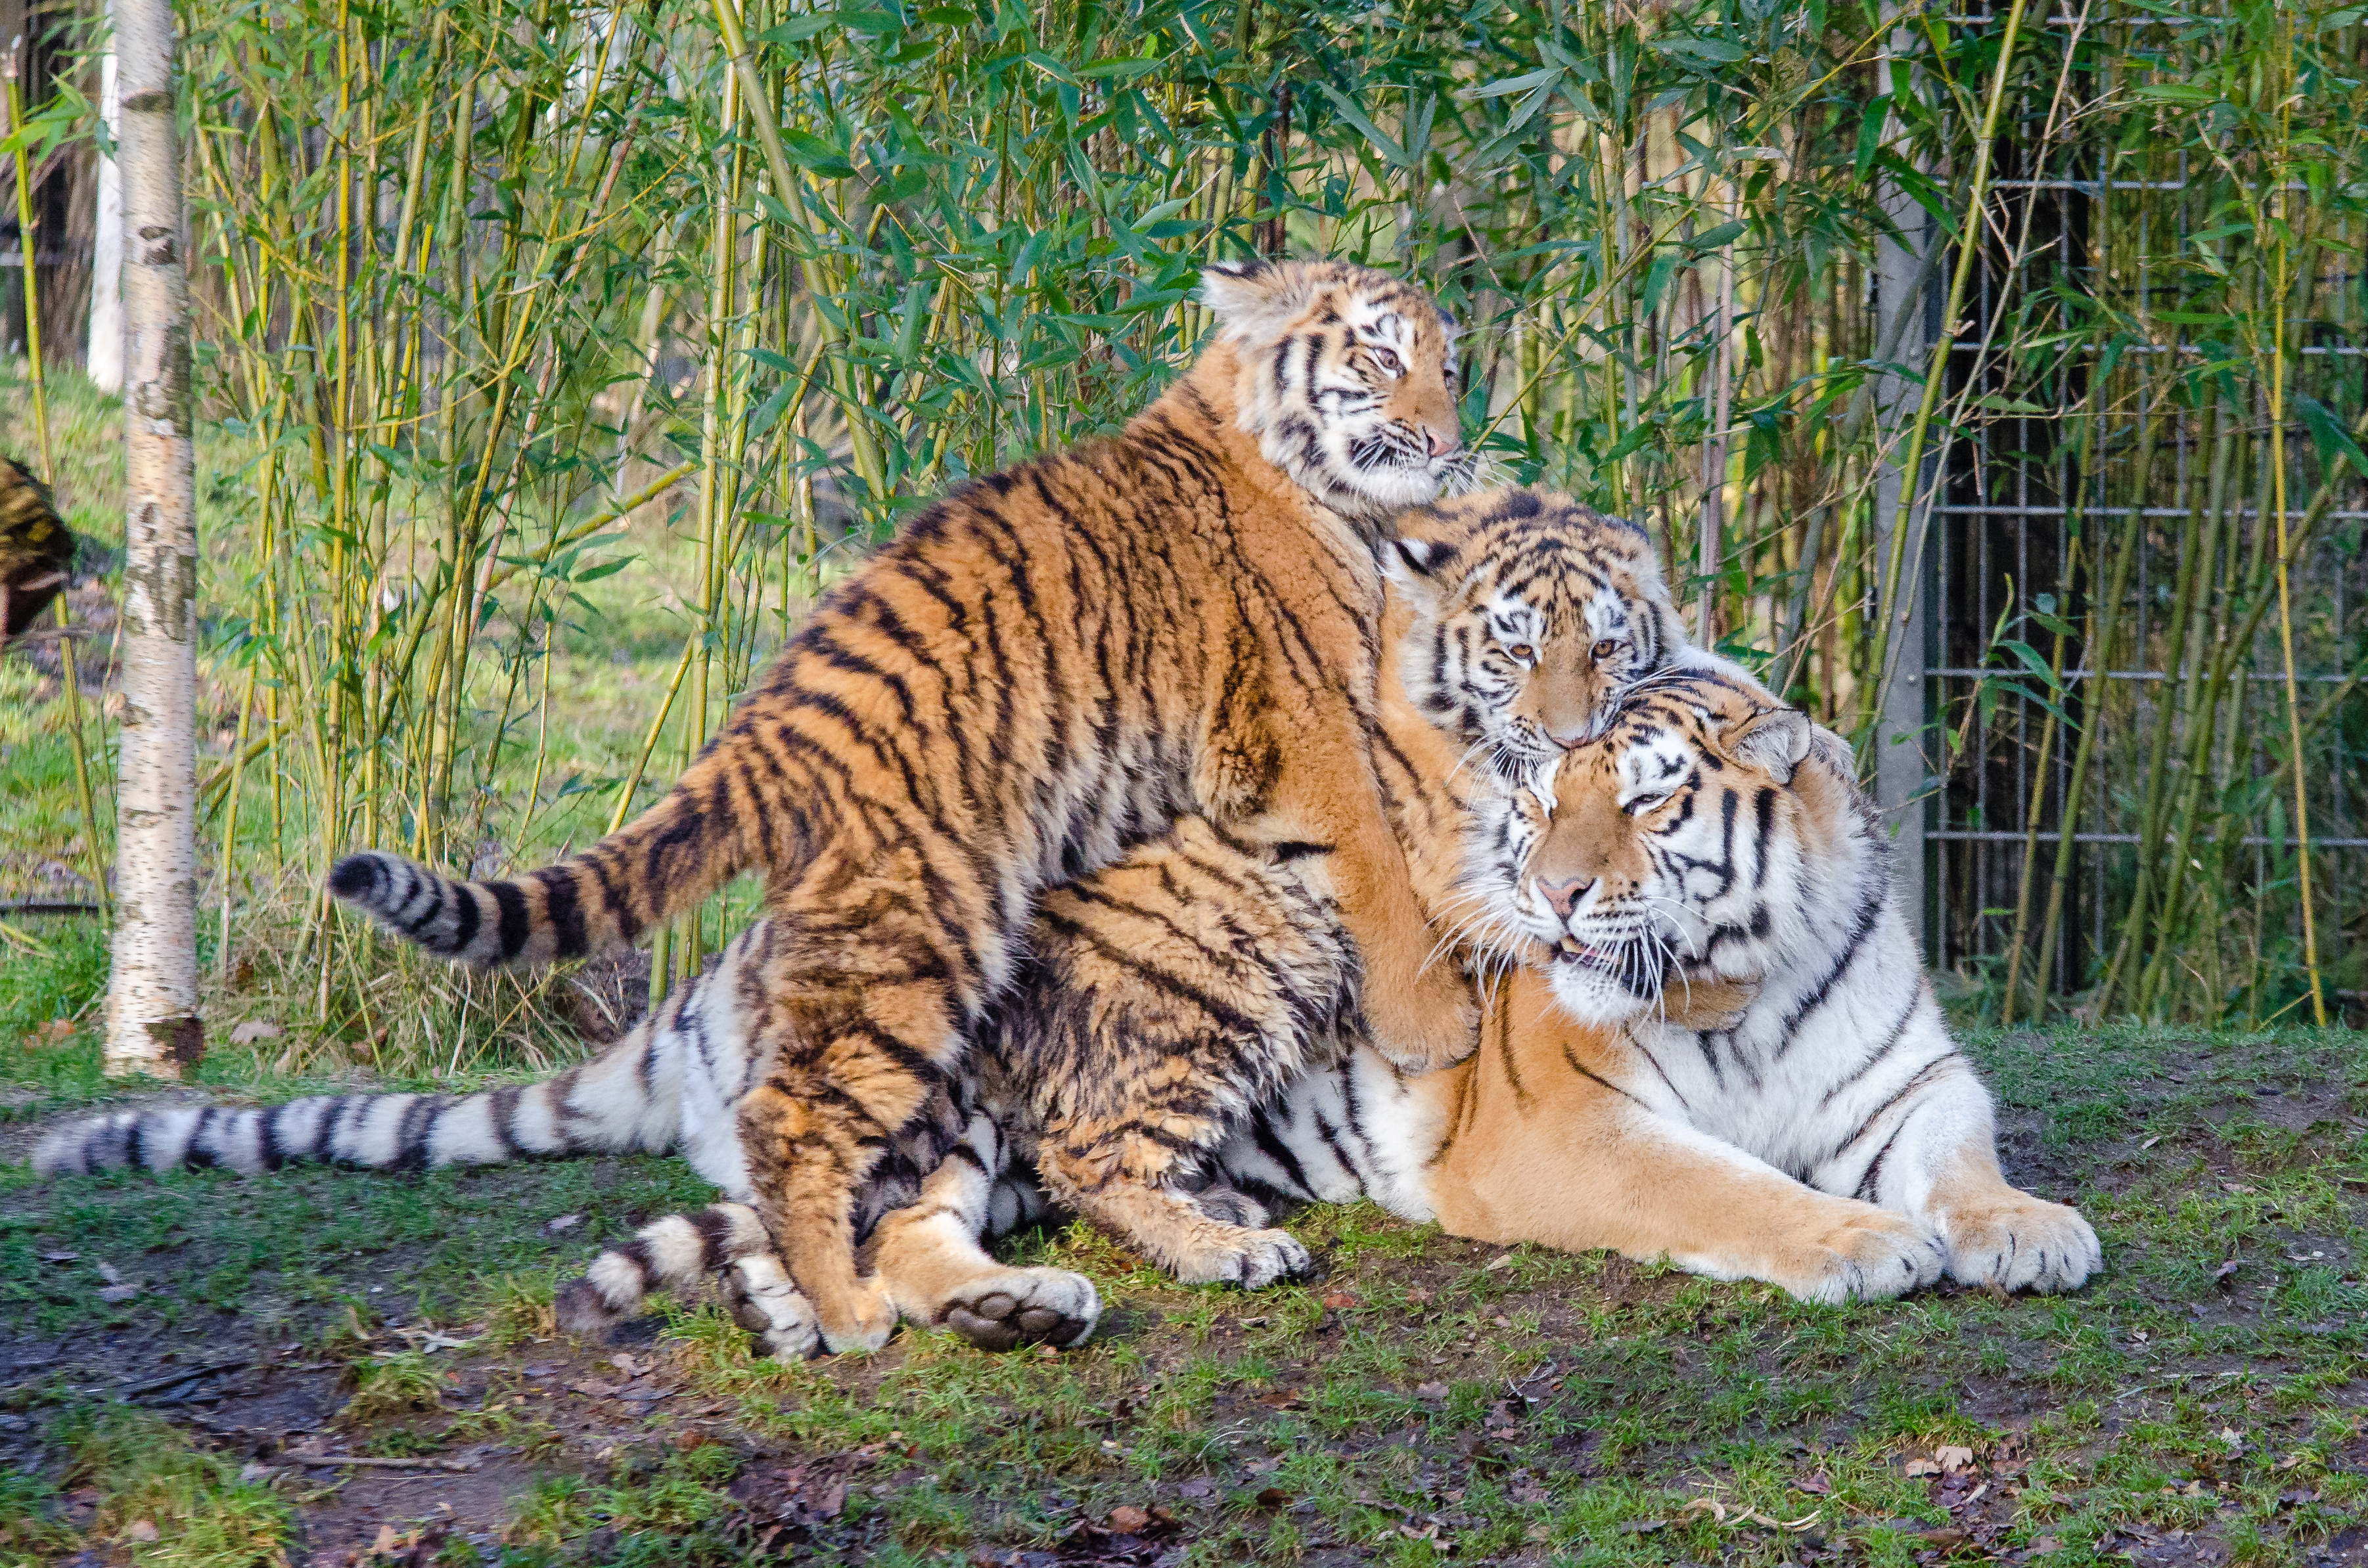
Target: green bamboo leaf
{"points": [[1872, 121], [1710, 239], [1700, 51], [2028, 656], [2175, 93], [809, 150], [2327, 432], [1545, 75], [1391, 154]]}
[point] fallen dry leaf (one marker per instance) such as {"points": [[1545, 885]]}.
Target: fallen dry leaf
{"points": [[254, 1029], [1339, 1301], [1920, 1466], [1128, 1520], [1953, 1459], [1815, 1485], [1274, 1497], [1431, 1392], [142, 1530]]}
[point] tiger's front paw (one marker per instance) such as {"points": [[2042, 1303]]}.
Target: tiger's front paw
{"points": [[2010, 1241], [857, 1317], [1870, 1256], [1012, 1307], [1705, 1004], [1251, 1259], [1427, 1019]]}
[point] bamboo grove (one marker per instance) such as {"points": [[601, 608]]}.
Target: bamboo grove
{"points": [[482, 289]]}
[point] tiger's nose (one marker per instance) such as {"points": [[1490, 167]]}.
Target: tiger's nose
{"points": [[1569, 740], [1563, 897], [1444, 441]]}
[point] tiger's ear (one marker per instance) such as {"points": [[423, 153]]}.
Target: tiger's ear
{"points": [[1773, 740], [1412, 566], [1255, 300]]}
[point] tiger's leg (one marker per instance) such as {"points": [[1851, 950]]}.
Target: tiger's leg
{"points": [[1125, 1179], [1616, 1175], [1542, 1145], [1418, 1011], [937, 1271], [677, 1253], [1922, 1141], [860, 1023], [1321, 790]]}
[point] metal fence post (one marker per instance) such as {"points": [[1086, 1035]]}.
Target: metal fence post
{"points": [[1903, 764]]}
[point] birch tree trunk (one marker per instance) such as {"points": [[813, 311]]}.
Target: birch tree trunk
{"points": [[152, 1001], [104, 356]]}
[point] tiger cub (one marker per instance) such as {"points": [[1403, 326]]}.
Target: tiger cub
{"points": [[1044, 667], [1164, 998]]}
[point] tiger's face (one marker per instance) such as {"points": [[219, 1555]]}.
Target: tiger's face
{"points": [[1679, 844], [1348, 379], [1534, 613]]}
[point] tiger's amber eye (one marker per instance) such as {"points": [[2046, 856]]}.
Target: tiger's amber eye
{"points": [[1387, 359], [1603, 649], [1522, 652]]}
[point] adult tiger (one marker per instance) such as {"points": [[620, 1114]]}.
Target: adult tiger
{"points": [[1211, 970], [1043, 667]]}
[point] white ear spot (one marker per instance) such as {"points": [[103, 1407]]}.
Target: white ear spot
{"points": [[1773, 740], [1423, 555], [1409, 565]]}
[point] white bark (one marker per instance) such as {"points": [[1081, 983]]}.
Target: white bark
{"points": [[105, 361], [152, 1001]]}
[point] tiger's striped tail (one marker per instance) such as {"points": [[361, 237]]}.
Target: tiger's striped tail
{"points": [[601, 898], [628, 1098]]}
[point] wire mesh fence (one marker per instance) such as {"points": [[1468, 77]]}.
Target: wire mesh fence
{"points": [[2145, 562]]}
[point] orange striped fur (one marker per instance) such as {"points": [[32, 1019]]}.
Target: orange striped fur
{"points": [[1045, 666]]}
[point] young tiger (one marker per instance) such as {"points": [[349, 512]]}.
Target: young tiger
{"points": [[1170, 996], [1043, 667], [1165, 997]]}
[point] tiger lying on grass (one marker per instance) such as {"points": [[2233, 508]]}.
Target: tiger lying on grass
{"points": [[1825, 1135], [1167, 998]]}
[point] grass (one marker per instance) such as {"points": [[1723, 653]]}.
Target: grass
{"points": [[2205, 1399]]}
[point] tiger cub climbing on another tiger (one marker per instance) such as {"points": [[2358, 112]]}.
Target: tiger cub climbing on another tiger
{"points": [[1044, 667]]}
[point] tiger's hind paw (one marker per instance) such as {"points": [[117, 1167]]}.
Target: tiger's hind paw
{"points": [[764, 1302], [1251, 1259], [1013, 1307]]}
